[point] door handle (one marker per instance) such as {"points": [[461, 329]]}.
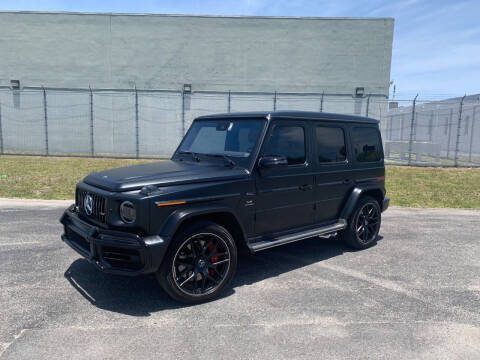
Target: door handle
{"points": [[305, 187], [346, 181]]}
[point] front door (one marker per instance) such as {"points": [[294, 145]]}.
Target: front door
{"points": [[285, 196]]}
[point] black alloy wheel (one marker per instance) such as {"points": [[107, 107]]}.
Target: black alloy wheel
{"points": [[364, 224], [368, 223], [199, 264]]}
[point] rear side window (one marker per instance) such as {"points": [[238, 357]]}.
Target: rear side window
{"points": [[287, 141], [330, 144], [367, 144]]}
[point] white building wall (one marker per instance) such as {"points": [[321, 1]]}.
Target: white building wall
{"points": [[77, 50]]}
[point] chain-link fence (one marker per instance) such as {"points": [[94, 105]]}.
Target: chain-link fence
{"points": [[150, 123], [433, 133]]}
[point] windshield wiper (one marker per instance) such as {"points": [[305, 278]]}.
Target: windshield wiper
{"points": [[194, 155], [228, 159]]}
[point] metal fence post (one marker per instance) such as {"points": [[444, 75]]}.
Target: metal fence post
{"points": [[390, 126], [368, 105], [402, 118], [459, 126], [430, 126], [412, 130], [183, 112], [45, 115], [321, 102], [471, 134], [449, 133], [1, 132], [92, 149], [275, 102], [137, 143], [229, 101]]}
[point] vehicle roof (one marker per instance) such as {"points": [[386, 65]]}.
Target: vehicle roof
{"points": [[303, 115]]}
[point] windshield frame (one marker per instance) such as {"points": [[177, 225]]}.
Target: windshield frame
{"points": [[245, 162]]}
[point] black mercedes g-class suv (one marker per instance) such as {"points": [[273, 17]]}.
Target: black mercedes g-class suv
{"points": [[251, 180]]}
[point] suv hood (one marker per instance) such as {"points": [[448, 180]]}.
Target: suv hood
{"points": [[162, 173]]}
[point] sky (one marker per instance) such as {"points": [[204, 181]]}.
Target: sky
{"points": [[436, 46]]}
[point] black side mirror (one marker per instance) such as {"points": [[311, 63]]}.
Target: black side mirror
{"points": [[272, 161]]}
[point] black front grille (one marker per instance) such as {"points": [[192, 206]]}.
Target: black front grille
{"points": [[99, 205]]}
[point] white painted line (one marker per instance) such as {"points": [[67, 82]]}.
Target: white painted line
{"points": [[20, 243]]}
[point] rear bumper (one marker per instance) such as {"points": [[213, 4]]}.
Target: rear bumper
{"points": [[114, 252], [385, 203]]}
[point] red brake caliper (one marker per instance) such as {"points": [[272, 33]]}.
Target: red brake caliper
{"points": [[213, 259]]}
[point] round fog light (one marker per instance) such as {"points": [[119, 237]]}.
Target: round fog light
{"points": [[128, 212]]}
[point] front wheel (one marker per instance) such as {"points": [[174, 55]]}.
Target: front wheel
{"points": [[200, 263], [363, 224]]}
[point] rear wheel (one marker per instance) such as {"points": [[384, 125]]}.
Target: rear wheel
{"points": [[200, 263], [363, 224]]}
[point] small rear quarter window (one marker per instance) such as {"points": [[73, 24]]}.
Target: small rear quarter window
{"points": [[367, 144]]}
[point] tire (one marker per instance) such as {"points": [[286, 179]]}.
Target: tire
{"points": [[200, 263], [363, 224]]}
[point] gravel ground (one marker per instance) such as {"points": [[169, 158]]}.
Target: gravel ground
{"points": [[415, 295]]}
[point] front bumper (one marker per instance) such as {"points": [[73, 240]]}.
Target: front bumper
{"points": [[385, 203], [114, 252]]}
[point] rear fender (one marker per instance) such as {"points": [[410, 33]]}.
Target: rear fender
{"points": [[356, 194]]}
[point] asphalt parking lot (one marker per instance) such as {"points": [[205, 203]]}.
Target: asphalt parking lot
{"points": [[415, 295]]}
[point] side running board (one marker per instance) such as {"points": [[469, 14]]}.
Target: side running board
{"points": [[285, 239]]}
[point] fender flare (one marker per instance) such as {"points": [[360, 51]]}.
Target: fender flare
{"points": [[354, 196], [178, 217]]}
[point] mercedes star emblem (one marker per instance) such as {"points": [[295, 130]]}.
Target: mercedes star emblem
{"points": [[88, 204]]}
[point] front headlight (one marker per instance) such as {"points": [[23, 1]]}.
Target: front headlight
{"points": [[128, 214]]}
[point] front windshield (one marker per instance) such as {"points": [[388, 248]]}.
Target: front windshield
{"points": [[235, 138]]}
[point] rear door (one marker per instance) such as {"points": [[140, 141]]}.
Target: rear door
{"points": [[333, 176], [285, 195]]}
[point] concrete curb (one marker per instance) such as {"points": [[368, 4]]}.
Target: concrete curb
{"points": [[30, 202], [432, 209]]}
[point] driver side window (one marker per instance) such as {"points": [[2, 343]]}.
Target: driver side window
{"points": [[287, 141]]}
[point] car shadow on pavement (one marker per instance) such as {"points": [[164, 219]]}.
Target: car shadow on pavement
{"points": [[141, 296]]}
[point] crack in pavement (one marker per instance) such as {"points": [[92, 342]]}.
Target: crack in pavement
{"points": [[17, 336]]}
